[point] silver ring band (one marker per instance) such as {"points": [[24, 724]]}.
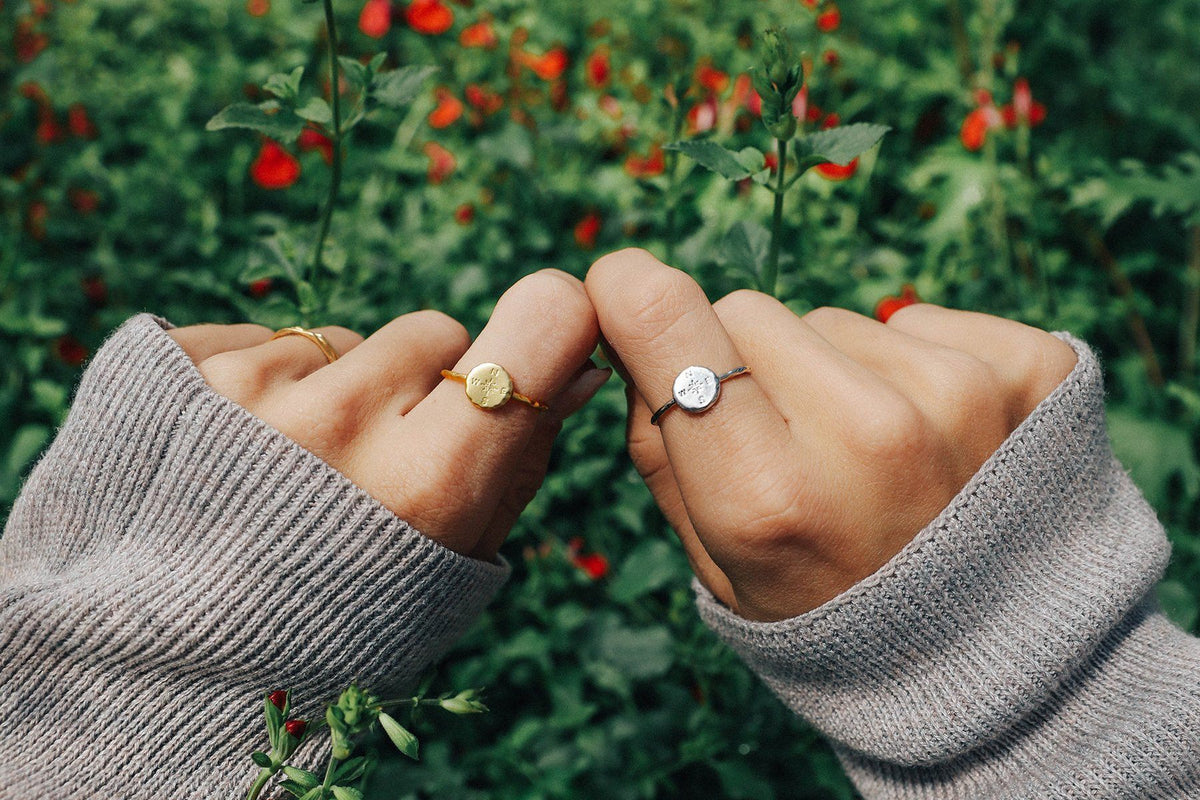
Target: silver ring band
{"points": [[696, 390]]}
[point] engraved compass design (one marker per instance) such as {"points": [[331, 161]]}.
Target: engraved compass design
{"points": [[696, 389], [489, 386]]}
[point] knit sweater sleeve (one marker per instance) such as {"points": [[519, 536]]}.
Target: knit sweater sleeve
{"points": [[169, 559], [1014, 648]]}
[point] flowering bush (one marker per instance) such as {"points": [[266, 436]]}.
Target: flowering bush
{"points": [[1043, 163]]}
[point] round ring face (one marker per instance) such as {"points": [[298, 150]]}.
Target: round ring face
{"points": [[489, 386], [696, 389]]}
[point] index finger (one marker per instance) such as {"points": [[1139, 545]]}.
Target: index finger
{"points": [[659, 322]]}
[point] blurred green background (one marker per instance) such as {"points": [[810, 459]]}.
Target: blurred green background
{"points": [[534, 145]]}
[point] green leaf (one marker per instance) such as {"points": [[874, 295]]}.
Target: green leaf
{"points": [[274, 720], [730, 164], [302, 777], [355, 71], [295, 789], [399, 87], [637, 653], [746, 246], [1178, 603], [314, 793], [280, 125], [405, 742], [346, 793], [261, 758], [838, 145], [285, 85], [650, 566], [1154, 452], [351, 770], [316, 110]]}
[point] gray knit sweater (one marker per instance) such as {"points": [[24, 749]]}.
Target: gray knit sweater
{"points": [[172, 556]]}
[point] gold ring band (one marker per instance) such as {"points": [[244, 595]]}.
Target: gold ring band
{"points": [[490, 386], [316, 338]]}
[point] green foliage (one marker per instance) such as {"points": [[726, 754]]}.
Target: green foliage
{"points": [[610, 687]]}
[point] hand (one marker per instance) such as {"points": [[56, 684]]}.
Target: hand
{"points": [[383, 415], [846, 440]]}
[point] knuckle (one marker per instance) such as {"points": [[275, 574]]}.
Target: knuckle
{"points": [[327, 421], [827, 316], [237, 376], [448, 328], [656, 305], [343, 333], [910, 317], [551, 294], [772, 512], [888, 433]]}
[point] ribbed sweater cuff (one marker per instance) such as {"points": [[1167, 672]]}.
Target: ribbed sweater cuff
{"points": [[173, 552], [1030, 571]]}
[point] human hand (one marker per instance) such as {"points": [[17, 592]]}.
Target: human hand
{"points": [[383, 415], [846, 440]]}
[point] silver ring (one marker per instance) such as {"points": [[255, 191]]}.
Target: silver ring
{"points": [[696, 390]]}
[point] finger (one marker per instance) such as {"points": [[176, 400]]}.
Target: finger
{"points": [[649, 457], [949, 386], [398, 365], [541, 331], [816, 385], [659, 322], [531, 469], [204, 341], [1025, 357]]}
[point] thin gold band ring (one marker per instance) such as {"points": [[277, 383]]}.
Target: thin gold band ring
{"points": [[316, 338]]}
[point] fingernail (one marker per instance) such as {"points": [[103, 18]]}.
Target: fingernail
{"points": [[582, 389]]}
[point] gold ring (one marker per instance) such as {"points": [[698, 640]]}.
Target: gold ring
{"points": [[490, 386], [316, 338]]}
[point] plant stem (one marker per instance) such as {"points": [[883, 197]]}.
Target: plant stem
{"points": [[1190, 324], [335, 180], [333, 762], [770, 276], [673, 181], [260, 783]]}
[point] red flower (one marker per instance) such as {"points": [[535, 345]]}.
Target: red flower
{"points": [[48, 129], [745, 96], [802, 110], [295, 727], [464, 214], [449, 109], [28, 42], [79, 122], [648, 166], [311, 138], [375, 20], [831, 121], [258, 8], [771, 160], [258, 290], [599, 67], [890, 305], [594, 564], [836, 172], [429, 16], [95, 290], [713, 80], [549, 66], [441, 162], [481, 34], [35, 219], [274, 167], [85, 201], [831, 58], [278, 698], [829, 20], [977, 124], [483, 98], [70, 351], [1023, 110], [587, 229]]}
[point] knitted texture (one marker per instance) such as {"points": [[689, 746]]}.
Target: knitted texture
{"points": [[172, 557], [1013, 649]]}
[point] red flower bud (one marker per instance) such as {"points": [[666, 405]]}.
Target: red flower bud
{"points": [[295, 727], [278, 698], [890, 305]]}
